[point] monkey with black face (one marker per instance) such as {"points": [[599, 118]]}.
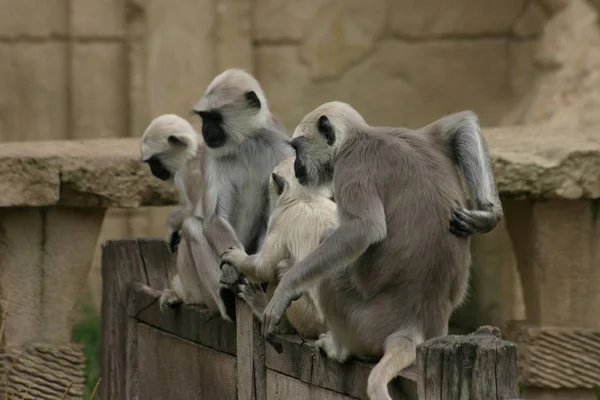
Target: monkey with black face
{"points": [[393, 271], [299, 218], [172, 148], [244, 142]]}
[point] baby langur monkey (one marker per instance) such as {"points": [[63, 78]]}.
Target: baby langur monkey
{"points": [[172, 149], [398, 263], [300, 216]]}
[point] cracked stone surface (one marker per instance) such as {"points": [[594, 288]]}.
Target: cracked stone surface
{"points": [[528, 161], [340, 34], [566, 93], [425, 18], [91, 173]]}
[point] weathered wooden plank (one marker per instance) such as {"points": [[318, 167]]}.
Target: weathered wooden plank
{"points": [[300, 361], [188, 322], [283, 387], [158, 261], [295, 360], [178, 369], [466, 367], [121, 264], [250, 355]]}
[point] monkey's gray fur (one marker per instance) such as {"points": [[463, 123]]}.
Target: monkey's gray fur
{"points": [[172, 148], [393, 271], [244, 142]]}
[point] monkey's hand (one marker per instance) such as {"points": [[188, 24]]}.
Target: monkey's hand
{"points": [[282, 298], [234, 256], [464, 223]]}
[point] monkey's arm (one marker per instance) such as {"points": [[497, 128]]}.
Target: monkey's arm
{"points": [[462, 134], [218, 231], [174, 224], [260, 267], [362, 224]]}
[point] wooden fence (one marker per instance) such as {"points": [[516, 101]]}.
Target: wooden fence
{"points": [[184, 354]]}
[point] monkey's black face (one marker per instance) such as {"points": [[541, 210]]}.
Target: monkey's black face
{"points": [[212, 128], [158, 169], [300, 171], [313, 166]]}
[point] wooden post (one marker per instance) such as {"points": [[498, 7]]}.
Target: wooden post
{"points": [[124, 262], [478, 366], [252, 379]]}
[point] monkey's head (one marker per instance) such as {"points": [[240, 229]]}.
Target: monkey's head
{"points": [[232, 108], [168, 142], [284, 187], [317, 139]]}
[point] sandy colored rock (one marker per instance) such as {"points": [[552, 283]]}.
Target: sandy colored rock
{"points": [[340, 34], [99, 90], [95, 173], [566, 94], [435, 18], [283, 20], [531, 22], [234, 36], [523, 69], [98, 18], [536, 162], [180, 58], [33, 18], [34, 85], [412, 83]]}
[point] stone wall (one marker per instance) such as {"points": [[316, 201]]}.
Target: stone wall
{"points": [[74, 69]]}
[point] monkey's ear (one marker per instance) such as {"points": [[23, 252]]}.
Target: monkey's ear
{"points": [[252, 99], [326, 129], [175, 141], [279, 182]]}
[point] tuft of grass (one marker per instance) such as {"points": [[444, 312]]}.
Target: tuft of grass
{"points": [[87, 332]]}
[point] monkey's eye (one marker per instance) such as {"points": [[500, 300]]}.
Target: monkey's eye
{"points": [[326, 130]]}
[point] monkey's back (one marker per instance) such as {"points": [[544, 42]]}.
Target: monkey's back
{"points": [[419, 272]]}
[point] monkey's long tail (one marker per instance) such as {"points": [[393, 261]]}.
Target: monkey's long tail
{"points": [[400, 352]]}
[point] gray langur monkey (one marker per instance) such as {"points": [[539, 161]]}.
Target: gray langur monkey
{"points": [[243, 144], [398, 264], [300, 216], [172, 148]]}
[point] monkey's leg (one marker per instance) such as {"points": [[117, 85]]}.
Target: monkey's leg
{"points": [[207, 266], [173, 295], [473, 159], [400, 351], [253, 294], [332, 348]]}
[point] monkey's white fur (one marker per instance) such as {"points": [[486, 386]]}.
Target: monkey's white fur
{"points": [[300, 217], [186, 174]]}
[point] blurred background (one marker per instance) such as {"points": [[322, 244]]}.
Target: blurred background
{"points": [[79, 69]]}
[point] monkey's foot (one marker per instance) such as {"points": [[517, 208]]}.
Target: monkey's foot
{"points": [[464, 223], [168, 298], [253, 294], [328, 345]]}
